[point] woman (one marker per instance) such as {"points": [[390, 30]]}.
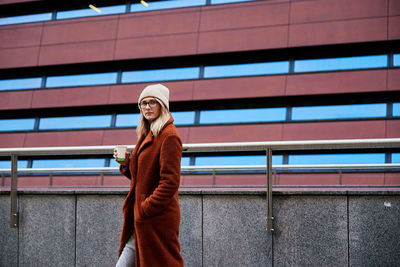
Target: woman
{"points": [[151, 209]]}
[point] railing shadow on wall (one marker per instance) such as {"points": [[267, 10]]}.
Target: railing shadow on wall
{"points": [[268, 169]]}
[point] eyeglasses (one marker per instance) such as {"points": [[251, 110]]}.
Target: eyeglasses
{"points": [[152, 103]]}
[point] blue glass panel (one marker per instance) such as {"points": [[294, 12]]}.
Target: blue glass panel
{"points": [[396, 109], [396, 60], [166, 5], [138, 76], [243, 115], [78, 122], [214, 2], [17, 124], [345, 63], [185, 161], [246, 69], [25, 19], [81, 79], [183, 117], [113, 163], [395, 157], [67, 163], [339, 112], [88, 12], [337, 158], [17, 84], [236, 160], [6, 164], [127, 120]]}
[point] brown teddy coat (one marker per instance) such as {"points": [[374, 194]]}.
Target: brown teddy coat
{"points": [[151, 209]]}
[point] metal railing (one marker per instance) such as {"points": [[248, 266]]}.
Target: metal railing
{"points": [[267, 147]]}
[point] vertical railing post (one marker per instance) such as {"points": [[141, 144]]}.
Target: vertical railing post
{"points": [[14, 192], [214, 177], [270, 228]]}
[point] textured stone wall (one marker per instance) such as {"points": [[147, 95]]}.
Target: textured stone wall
{"points": [[217, 229]]}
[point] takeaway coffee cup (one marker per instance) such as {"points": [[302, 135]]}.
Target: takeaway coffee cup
{"points": [[121, 150]]}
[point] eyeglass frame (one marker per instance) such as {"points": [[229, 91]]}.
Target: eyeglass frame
{"points": [[151, 105]]}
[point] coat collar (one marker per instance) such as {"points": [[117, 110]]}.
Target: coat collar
{"points": [[148, 139]]}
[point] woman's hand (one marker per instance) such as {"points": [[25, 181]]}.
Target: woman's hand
{"points": [[126, 161]]}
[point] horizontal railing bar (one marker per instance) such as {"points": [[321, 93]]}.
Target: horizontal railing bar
{"points": [[222, 167], [294, 145], [217, 147]]}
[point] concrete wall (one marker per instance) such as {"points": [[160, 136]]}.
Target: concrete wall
{"points": [[217, 229]]}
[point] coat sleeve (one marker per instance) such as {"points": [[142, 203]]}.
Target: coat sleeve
{"points": [[170, 174]]}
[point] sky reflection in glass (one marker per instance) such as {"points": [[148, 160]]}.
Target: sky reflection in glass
{"points": [[166, 4], [127, 120], [236, 160], [97, 121], [67, 163], [345, 63], [246, 69], [396, 109], [88, 12], [18, 84], [160, 75], [25, 19], [395, 157], [17, 124], [183, 117], [396, 60], [242, 115], [81, 79], [6, 164], [369, 158], [339, 112]]}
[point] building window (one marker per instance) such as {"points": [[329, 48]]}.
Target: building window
{"points": [[395, 157], [82, 80], [127, 120], [396, 60], [131, 120], [184, 117], [242, 115], [236, 160], [266, 68], [25, 19], [396, 109], [345, 63], [55, 123], [68, 163], [17, 124], [157, 5], [139, 76], [339, 112], [18, 84], [368, 158], [6, 164], [88, 12]]}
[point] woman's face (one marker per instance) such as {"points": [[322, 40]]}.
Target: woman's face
{"points": [[150, 108]]}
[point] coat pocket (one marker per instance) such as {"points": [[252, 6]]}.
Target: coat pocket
{"points": [[140, 206]]}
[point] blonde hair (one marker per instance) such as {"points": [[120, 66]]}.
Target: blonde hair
{"points": [[144, 126]]}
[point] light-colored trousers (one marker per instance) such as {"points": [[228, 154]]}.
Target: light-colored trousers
{"points": [[127, 258]]}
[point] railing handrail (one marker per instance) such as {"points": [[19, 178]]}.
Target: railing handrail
{"points": [[217, 147], [221, 167]]}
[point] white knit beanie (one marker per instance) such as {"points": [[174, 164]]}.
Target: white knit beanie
{"points": [[158, 91]]}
